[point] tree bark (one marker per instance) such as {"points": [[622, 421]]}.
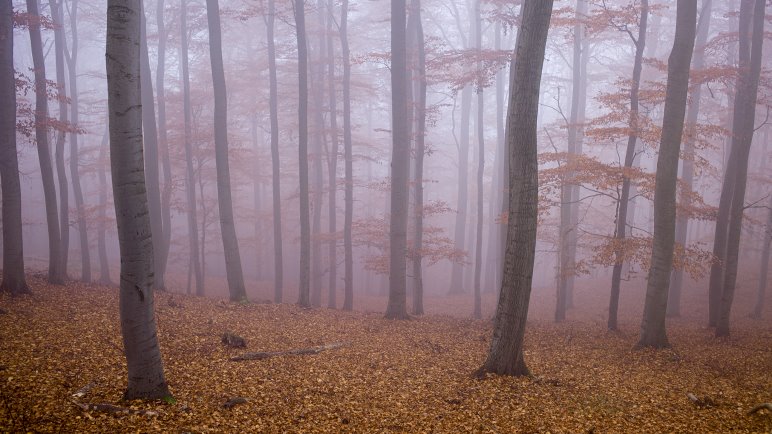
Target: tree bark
{"points": [[61, 171], [278, 277], [332, 163], [163, 141], [419, 85], [190, 178], [505, 356], [13, 279], [477, 313], [227, 227], [104, 265], [459, 238], [653, 332], [742, 138], [621, 223], [304, 298], [400, 165], [348, 261], [764, 269], [143, 356], [56, 274]]}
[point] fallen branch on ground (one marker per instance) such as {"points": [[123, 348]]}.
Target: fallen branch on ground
{"points": [[767, 405], [113, 409], [80, 393], [297, 352]]}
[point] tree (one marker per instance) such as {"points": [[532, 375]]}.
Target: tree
{"points": [[653, 325], [400, 165], [624, 201], [163, 143], [278, 278], [764, 269], [419, 91], [348, 216], [506, 351], [104, 265], [480, 166], [190, 177], [143, 356], [304, 299], [56, 274], [227, 227], [332, 164], [742, 137], [13, 246]]}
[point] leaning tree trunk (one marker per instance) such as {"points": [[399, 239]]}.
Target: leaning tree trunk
{"points": [[653, 325], [304, 296], [624, 200], [13, 279], [480, 167], [506, 351], [332, 165], [400, 165], [348, 261], [56, 274], [64, 188], [742, 138], [150, 132], [104, 264], [278, 275], [190, 176], [143, 356], [224, 201], [419, 85], [80, 206]]}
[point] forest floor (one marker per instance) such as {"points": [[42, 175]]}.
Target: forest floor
{"points": [[408, 376]]}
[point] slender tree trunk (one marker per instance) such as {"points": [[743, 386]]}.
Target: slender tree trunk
{"points": [[318, 143], [400, 165], [104, 265], [163, 142], [278, 275], [64, 188], [56, 274], [190, 177], [493, 256], [687, 164], [480, 167], [457, 271], [224, 201], [332, 161], [764, 269], [150, 132], [742, 138], [419, 84], [348, 297], [258, 260], [621, 223], [13, 279], [143, 356], [304, 298], [653, 325], [506, 351]]}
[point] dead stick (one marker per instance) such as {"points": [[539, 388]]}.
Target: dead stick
{"points": [[297, 352]]}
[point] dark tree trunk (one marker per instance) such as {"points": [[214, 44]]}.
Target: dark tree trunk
{"points": [[304, 298], [104, 264], [150, 133], [653, 325], [56, 274], [224, 201], [742, 138], [621, 223], [64, 188], [13, 279], [190, 177], [419, 85], [348, 297], [400, 165], [480, 167], [687, 163], [332, 162], [506, 352], [278, 278], [457, 271], [163, 143], [764, 269], [143, 356]]}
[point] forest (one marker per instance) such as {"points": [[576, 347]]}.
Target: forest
{"points": [[495, 216]]}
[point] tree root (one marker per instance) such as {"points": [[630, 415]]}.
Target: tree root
{"points": [[296, 352]]}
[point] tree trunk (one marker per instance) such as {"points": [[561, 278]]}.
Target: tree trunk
{"points": [[621, 223], [227, 226], [459, 240], [653, 324], [304, 298], [64, 188], [400, 165], [150, 132], [506, 352], [419, 84], [764, 269], [317, 192], [742, 138], [190, 177], [477, 313], [332, 162], [56, 274], [13, 279], [348, 297], [163, 142], [143, 356], [278, 276], [687, 164], [104, 265]]}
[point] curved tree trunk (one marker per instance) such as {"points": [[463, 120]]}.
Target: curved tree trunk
{"points": [[653, 325], [621, 223], [278, 277], [13, 279], [224, 201], [143, 356], [304, 296], [348, 261], [56, 274]]}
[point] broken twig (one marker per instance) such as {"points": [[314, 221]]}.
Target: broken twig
{"points": [[297, 352]]}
